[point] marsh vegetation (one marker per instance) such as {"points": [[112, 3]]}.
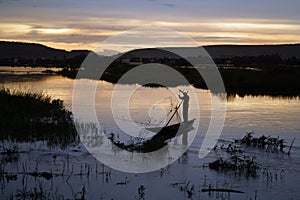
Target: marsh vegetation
{"points": [[34, 116]]}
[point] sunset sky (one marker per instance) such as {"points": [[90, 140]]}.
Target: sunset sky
{"points": [[83, 24]]}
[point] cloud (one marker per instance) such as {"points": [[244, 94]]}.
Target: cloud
{"points": [[90, 22], [108, 52], [92, 32], [168, 4]]}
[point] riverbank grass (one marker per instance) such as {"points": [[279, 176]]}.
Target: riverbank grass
{"points": [[33, 116]]}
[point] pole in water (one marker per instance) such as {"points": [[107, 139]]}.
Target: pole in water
{"points": [[289, 152], [176, 109]]}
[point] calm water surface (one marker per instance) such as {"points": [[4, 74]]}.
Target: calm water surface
{"points": [[275, 116]]}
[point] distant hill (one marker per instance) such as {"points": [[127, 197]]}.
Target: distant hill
{"points": [[223, 51], [35, 51]]}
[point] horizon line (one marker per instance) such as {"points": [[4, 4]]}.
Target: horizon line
{"points": [[209, 45]]}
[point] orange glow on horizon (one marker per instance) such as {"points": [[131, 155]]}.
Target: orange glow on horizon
{"points": [[211, 32]]}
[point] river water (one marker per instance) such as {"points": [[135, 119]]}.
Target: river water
{"points": [[278, 177]]}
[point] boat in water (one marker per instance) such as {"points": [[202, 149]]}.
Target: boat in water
{"points": [[162, 134], [171, 131]]}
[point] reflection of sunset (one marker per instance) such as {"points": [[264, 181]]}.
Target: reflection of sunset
{"points": [[144, 99], [263, 111]]}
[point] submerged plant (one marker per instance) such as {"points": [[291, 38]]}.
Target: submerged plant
{"points": [[245, 165], [81, 195], [10, 154], [35, 193], [185, 187], [270, 144], [141, 192]]}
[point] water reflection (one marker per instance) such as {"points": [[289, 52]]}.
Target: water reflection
{"points": [[75, 171], [274, 115], [232, 96]]}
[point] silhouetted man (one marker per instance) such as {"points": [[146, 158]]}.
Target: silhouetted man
{"points": [[185, 110]]}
